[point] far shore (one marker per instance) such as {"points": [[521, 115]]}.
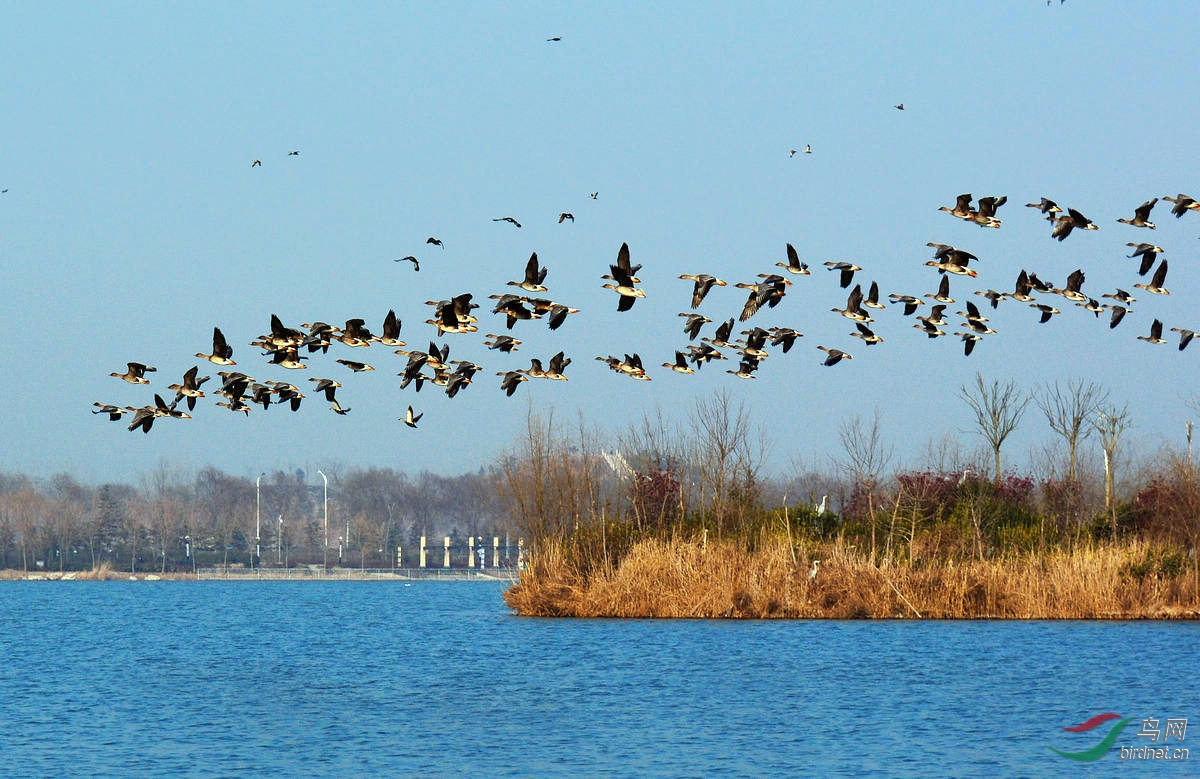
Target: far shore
{"points": [[313, 574]]}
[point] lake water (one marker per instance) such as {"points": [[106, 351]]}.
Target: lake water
{"points": [[374, 678]]}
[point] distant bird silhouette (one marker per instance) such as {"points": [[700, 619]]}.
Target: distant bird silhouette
{"points": [[899, 106], [555, 38], [416, 263], [411, 419], [293, 153], [255, 164], [508, 219], [594, 195], [435, 242], [565, 216], [834, 356]]}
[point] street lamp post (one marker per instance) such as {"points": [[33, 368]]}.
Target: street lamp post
{"points": [[326, 478], [257, 518]]}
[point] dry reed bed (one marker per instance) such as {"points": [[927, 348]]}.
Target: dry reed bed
{"points": [[719, 580]]}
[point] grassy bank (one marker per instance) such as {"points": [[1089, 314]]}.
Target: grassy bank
{"points": [[683, 579]]}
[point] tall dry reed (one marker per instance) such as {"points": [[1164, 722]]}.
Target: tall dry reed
{"points": [[683, 579]]}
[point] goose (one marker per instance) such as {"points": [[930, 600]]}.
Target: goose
{"points": [[357, 367], [793, 264], [502, 343], [853, 309], [693, 323], [834, 356], [233, 384], [355, 334], [1185, 336], [929, 328], [978, 327], [435, 242], [745, 369], [511, 380], [750, 307], [1121, 296], [564, 216], [114, 412], [1092, 305], [1038, 285], [935, 315], [846, 269], [558, 315], [1141, 215], [947, 253], [953, 264], [1073, 219], [872, 299], [328, 386], [508, 219], [756, 339], [336, 408], [626, 291], [290, 394], [962, 207], [623, 265], [1148, 252], [703, 283], [1021, 288], [910, 302], [1045, 206], [142, 417], [411, 419], [1118, 313], [993, 297], [898, 107], [513, 308], [720, 337], [1182, 204], [415, 262], [449, 322], [534, 276], [969, 340], [1047, 311], [190, 388], [133, 373], [391, 330], [1156, 282], [943, 291], [784, 336], [558, 364], [972, 313], [1072, 290], [320, 335], [260, 394], [680, 365], [235, 405], [704, 353], [866, 334], [535, 370], [222, 353], [985, 215], [1155, 336]]}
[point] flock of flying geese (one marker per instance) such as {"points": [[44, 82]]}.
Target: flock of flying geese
{"points": [[291, 348]]}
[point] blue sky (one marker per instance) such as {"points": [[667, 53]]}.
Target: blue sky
{"points": [[134, 223]]}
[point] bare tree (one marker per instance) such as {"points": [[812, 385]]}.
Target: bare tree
{"points": [[866, 458], [1110, 423], [1068, 410], [728, 450], [998, 408]]}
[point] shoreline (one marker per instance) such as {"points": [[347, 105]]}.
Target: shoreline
{"points": [[272, 574]]}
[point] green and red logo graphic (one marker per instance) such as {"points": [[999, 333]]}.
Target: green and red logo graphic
{"points": [[1101, 749]]}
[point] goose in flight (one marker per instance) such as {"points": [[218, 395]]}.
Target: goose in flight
{"points": [[1148, 252], [133, 373], [1141, 215], [1156, 282], [680, 365], [508, 219], [415, 262], [1182, 204], [411, 419], [1185, 336], [1155, 336], [1073, 220], [693, 324], [534, 276], [328, 386], [564, 216], [961, 208], [436, 242], [1045, 206], [703, 283], [793, 264], [190, 388], [834, 356], [845, 269], [222, 352]]}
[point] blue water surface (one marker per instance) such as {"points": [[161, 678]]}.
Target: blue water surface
{"points": [[338, 678]]}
